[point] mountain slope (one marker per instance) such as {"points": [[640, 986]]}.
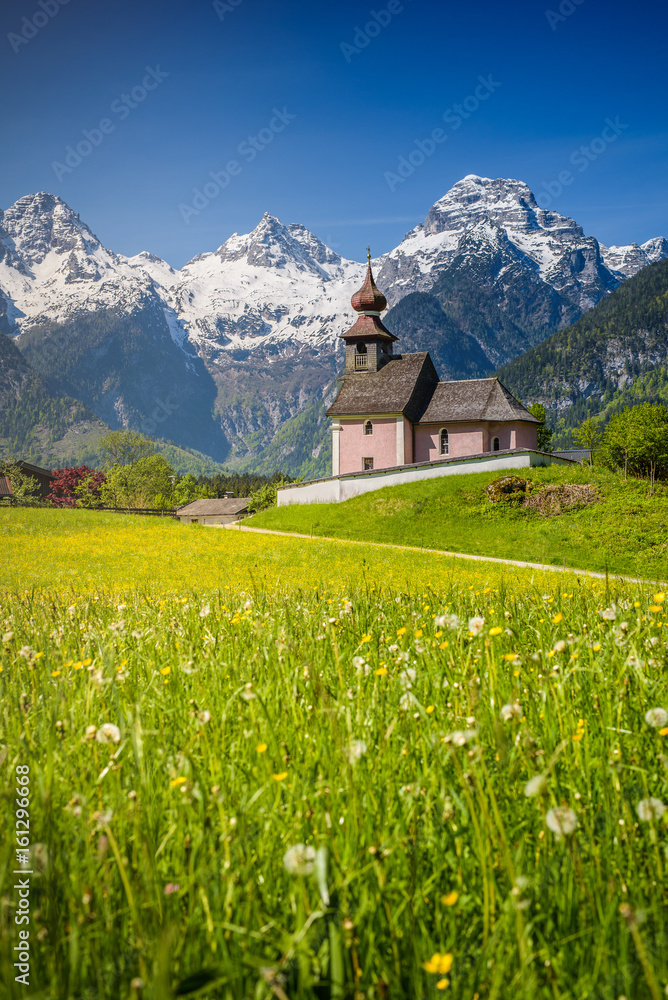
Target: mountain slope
{"points": [[228, 353], [36, 424], [615, 354]]}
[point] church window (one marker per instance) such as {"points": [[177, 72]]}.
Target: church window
{"points": [[443, 442], [361, 359], [367, 464], [368, 427], [361, 348], [495, 444]]}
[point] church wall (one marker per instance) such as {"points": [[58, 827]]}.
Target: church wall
{"points": [[354, 444], [464, 439], [527, 436]]}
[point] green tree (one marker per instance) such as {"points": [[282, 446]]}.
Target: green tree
{"points": [[265, 496], [145, 483], [24, 487], [588, 436], [126, 447], [637, 441], [188, 489], [544, 432]]}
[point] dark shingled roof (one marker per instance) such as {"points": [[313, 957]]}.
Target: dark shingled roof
{"points": [[5, 487], [409, 384], [474, 399], [367, 327], [214, 508], [404, 385]]}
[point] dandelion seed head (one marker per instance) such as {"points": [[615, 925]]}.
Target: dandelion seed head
{"points": [[108, 733], [476, 625], [656, 717], [355, 751], [562, 821], [649, 809], [535, 785], [299, 859]]}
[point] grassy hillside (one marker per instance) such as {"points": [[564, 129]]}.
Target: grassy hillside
{"points": [[614, 355], [261, 768], [625, 532]]}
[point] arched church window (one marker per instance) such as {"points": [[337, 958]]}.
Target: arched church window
{"points": [[443, 442], [368, 427], [495, 444]]}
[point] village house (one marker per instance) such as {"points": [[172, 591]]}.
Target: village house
{"points": [[392, 410], [224, 511]]}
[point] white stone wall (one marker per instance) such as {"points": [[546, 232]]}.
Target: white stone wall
{"points": [[344, 487]]}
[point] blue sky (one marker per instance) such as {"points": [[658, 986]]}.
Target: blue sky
{"points": [[314, 115]]}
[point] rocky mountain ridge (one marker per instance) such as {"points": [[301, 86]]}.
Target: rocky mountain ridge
{"points": [[225, 352]]}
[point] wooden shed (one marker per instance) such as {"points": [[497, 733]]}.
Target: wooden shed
{"points": [[214, 511]]}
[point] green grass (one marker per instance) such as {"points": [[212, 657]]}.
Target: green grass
{"points": [[296, 701], [625, 533]]}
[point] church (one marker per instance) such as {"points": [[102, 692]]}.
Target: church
{"points": [[392, 410]]}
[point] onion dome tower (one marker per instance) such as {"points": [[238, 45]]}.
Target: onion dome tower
{"points": [[368, 342]]}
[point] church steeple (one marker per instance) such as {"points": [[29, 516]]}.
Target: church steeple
{"points": [[368, 342]]}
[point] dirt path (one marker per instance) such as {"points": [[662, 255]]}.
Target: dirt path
{"points": [[449, 555]]}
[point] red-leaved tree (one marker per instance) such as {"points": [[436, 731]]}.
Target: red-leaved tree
{"points": [[76, 487]]}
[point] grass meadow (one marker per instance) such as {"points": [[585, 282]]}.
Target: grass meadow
{"points": [[625, 532], [262, 768]]}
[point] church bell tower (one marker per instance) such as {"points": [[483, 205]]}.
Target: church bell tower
{"points": [[368, 343]]}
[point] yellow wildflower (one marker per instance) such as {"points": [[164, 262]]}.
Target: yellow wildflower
{"points": [[55, 673], [177, 781], [280, 777], [444, 644], [430, 709], [366, 638], [381, 671], [557, 618], [653, 608], [497, 630], [438, 963], [442, 984], [450, 899], [401, 631], [664, 731], [597, 647], [261, 747], [165, 671], [418, 633], [659, 598]]}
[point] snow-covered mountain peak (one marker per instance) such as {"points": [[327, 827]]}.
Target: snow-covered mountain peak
{"points": [[40, 223], [273, 245], [505, 201], [628, 260]]}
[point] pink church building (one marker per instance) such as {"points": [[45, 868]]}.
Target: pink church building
{"points": [[392, 410]]}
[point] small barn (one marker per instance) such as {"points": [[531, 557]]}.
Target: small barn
{"points": [[214, 511]]}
